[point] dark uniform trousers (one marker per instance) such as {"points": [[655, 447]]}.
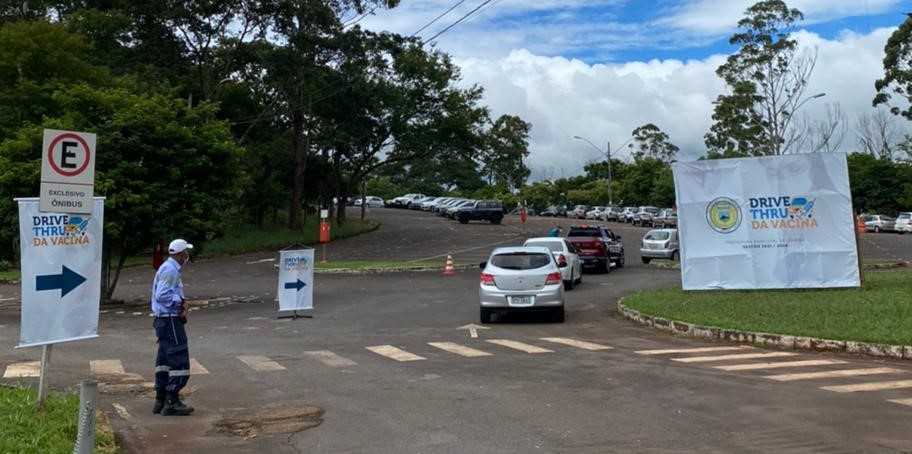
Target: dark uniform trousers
{"points": [[172, 364]]}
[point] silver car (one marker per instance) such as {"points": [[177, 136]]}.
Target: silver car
{"points": [[879, 223], [660, 244], [521, 279], [563, 251], [903, 223]]}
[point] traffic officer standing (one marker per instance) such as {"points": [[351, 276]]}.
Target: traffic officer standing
{"points": [[172, 364]]}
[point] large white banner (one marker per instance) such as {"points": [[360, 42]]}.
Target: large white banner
{"points": [[765, 223], [61, 274], [296, 270]]}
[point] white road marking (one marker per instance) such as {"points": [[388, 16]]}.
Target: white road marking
{"points": [[330, 359], [577, 343], [780, 365], [902, 401], [473, 329], [107, 367], [394, 353], [519, 346], [137, 313], [121, 411], [873, 386], [260, 363], [119, 312], [691, 350], [461, 350], [706, 359], [23, 370], [196, 368], [834, 374]]}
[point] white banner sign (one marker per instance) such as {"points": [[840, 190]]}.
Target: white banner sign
{"points": [[765, 223], [61, 274], [296, 280]]}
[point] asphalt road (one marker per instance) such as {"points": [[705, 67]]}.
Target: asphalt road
{"points": [[535, 389]]}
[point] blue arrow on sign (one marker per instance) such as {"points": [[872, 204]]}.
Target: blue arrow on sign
{"points": [[297, 286], [66, 281]]}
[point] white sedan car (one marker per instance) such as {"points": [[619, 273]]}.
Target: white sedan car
{"points": [[521, 279], [563, 252], [370, 201]]}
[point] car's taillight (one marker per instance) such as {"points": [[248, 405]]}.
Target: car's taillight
{"points": [[487, 279], [553, 278], [561, 259]]}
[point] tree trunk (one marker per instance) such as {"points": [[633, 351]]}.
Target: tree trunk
{"points": [[300, 161], [363, 199], [343, 195], [121, 259]]}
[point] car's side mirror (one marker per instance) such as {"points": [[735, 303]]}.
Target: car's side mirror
{"points": [[482, 265]]}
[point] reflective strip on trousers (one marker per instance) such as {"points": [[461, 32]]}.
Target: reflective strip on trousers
{"points": [[162, 369], [179, 373]]}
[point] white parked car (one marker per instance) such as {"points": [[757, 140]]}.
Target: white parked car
{"points": [[660, 244], [611, 214], [595, 213], [564, 252], [521, 279], [879, 223], [370, 201], [904, 223]]}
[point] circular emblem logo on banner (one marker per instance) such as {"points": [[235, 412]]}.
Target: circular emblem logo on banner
{"points": [[723, 215]]}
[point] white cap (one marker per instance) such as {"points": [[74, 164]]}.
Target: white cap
{"points": [[177, 246]]}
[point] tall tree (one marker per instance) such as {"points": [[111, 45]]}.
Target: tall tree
{"points": [[651, 142], [768, 78], [508, 146], [877, 134], [897, 78]]}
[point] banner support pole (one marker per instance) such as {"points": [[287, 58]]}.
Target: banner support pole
{"points": [[43, 380]]}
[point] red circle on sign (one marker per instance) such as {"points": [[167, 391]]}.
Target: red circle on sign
{"points": [[85, 146]]}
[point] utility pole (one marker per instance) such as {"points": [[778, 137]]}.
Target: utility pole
{"points": [[608, 155]]}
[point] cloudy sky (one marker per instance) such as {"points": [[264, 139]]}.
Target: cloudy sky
{"points": [[600, 68]]}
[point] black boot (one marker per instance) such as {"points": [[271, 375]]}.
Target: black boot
{"points": [[159, 403], [174, 407]]}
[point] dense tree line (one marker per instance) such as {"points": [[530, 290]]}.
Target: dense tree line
{"points": [[216, 113]]}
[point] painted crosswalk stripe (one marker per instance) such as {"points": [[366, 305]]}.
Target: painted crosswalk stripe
{"points": [[902, 401], [330, 359], [873, 386], [576, 343], [107, 367], [461, 350], [706, 359], [780, 365], [394, 353], [834, 374], [260, 363], [691, 350], [23, 370], [196, 368], [523, 347]]}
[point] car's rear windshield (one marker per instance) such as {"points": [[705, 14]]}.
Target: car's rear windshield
{"points": [[584, 231], [554, 246], [521, 260], [657, 236]]}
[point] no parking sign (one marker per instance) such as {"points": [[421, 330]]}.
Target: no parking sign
{"points": [[67, 172]]}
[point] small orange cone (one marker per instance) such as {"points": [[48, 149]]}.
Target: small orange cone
{"points": [[449, 269]]}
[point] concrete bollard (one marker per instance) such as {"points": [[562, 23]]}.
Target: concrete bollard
{"points": [[85, 439]]}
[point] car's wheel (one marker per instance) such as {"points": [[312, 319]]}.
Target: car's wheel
{"points": [[876, 229], [557, 315], [568, 285], [463, 220], [620, 262], [579, 276], [485, 315], [606, 265], [496, 221], [675, 256], [646, 260]]}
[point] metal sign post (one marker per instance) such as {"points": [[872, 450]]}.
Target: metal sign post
{"points": [[42, 380]]}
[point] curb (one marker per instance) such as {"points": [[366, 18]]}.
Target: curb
{"points": [[766, 339], [420, 269]]}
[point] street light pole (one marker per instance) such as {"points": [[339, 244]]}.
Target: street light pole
{"points": [[608, 155]]}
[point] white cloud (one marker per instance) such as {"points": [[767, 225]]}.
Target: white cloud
{"points": [[716, 16], [565, 97]]}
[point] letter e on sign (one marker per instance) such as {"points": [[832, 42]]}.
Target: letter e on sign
{"points": [[67, 172]]}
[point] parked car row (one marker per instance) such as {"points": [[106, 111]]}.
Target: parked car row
{"points": [[456, 208], [878, 223]]}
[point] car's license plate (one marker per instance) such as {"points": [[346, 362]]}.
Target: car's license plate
{"points": [[521, 300]]}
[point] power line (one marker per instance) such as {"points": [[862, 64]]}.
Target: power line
{"points": [[460, 20], [460, 2]]}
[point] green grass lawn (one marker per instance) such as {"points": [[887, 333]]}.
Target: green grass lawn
{"points": [[24, 429], [881, 312], [250, 239]]}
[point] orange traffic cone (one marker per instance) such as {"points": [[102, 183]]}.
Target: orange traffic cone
{"points": [[449, 269]]}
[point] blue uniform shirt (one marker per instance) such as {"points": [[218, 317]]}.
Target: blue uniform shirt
{"points": [[167, 289]]}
